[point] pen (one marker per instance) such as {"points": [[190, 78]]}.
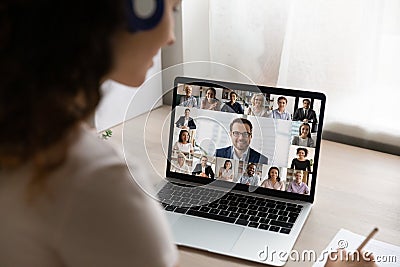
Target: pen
{"points": [[373, 232]]}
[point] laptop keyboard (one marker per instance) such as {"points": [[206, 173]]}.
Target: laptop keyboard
{"points": [[250, 211]]}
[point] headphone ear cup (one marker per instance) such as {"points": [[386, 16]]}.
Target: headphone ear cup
{"points": [[144, 15]]}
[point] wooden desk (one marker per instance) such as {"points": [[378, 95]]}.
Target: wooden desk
{"points": [[357, 189]]}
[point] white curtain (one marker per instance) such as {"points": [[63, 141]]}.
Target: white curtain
{"points": [[349, 49]]}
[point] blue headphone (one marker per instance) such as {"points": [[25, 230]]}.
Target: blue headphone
{"points": [[144, 14]]}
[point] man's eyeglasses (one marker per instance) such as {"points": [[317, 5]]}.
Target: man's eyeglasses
{"points": [[244, 134]]}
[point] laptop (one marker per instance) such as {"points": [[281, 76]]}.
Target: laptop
{"points": [[242, 167]]}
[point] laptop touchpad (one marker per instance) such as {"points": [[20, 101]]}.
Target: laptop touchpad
{"points": [[206, 234]]}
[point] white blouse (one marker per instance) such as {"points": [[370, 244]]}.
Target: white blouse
{"points": [[185, 148]]}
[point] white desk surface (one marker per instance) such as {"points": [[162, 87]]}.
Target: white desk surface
{"points": [[357, 189]]}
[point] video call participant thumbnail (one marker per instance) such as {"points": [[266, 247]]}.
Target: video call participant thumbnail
{"points": [[183, 144], [298, 186], [304, 138], [258, 106], [210, 102], [250, 177], [232, 106], [281, 113], [188, 100], [301, 162], [273, 181], [241, 135], [203, 169], [226, 172], [180, 164], [305, 114], [186, 122]]}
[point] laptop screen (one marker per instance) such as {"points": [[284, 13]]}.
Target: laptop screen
{"points": [[253, 138]]}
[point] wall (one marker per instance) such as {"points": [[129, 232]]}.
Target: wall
{"points": [[346, 49], [115, 106]]}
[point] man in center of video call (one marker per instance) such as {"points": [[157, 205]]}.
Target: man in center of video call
{"points": [[240, 131]]}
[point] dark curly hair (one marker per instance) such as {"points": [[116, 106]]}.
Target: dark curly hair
{"points": [[53, 57], [300, 149]]}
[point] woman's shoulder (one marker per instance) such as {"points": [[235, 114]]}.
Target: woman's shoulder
{"points": [[103, 193], [90, 151], [95, 164], [91, 160]]}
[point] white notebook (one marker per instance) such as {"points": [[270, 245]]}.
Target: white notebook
{"points": [[386, 255]]}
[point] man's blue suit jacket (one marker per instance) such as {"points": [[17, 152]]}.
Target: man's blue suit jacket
{"points": [[253, 156]]}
